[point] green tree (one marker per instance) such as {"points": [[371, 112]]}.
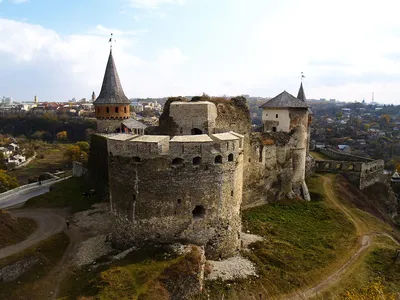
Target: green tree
{"points": [[339, 115], [7, 182]]}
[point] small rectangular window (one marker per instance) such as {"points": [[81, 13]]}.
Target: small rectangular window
{"points": [[116, 109], [277, 116], [108, 110], [274, 129]]}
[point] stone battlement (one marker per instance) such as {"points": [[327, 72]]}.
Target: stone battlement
{"points": [[208, 147]]}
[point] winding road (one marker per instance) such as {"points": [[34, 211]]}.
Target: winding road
{"points": [[365, 240], [49, 221]]}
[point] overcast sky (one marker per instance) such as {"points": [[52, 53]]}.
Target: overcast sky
{"points": [[347, 49]]}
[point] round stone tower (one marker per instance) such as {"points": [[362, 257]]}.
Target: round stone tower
{"points": [[111, 106]]}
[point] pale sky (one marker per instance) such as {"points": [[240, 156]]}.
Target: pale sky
{"points": [[347, 49]]}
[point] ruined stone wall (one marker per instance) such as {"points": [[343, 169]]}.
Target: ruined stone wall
{"points": [[274, 170], [158, 200], [343, 156], [361, 174], [193, 115]]}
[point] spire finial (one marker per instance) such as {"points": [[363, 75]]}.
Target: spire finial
{"points": [[302, 76], [111, 42]]}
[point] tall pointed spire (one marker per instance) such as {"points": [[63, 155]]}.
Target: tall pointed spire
{"points": [[301, 95], [111, 90]]}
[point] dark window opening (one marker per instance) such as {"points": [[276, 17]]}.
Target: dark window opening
{"points": [[199, 212], [177, 161], [124, 109], [136, 159], [116, 109], [134, 197], [218, 159], [107, 109], [276, 116], [230, 157], [232, 193], [249, 159], [273, 129], [196, 160], [196, 131], [179, 201]]}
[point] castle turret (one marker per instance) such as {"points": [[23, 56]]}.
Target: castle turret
{"points": [[112, 105], [302, 96]]}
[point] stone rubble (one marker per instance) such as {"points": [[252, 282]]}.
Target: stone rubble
{"points": [[98, 218], [248, 239], [232, 268], [92, 249]]}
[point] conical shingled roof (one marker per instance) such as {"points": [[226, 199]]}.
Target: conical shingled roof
{"points": [[284, 100], [301, 95], [111, 90]]}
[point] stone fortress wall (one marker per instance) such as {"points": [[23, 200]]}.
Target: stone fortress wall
{"points": [[361, 171], [184, 188]]}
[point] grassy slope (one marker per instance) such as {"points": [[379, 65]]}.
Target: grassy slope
{"points": [[303, 241], [67, 193], [143, 275], [32, 283], [14, 230], [53, 159]]}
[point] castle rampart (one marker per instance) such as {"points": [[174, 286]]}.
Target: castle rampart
{"points": [[197, 194]]}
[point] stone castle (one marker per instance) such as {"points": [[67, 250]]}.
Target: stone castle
{"points": [[188, 179]]}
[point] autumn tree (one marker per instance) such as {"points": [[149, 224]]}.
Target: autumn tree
{"points": [[73, 153], [384, 120], [7, 182], [62, 136], [84, 146], [375, 290]]}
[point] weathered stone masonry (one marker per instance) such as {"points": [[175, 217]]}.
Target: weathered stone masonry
{"points": [[188, 188]]}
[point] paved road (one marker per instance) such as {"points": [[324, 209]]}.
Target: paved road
{"points": [[20, 198], [49, 221]]}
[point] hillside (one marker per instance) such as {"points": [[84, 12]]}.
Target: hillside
{"points": [[13, 230]]}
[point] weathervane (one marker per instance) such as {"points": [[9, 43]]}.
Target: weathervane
{"points": [[302, 76], [111, 41]]}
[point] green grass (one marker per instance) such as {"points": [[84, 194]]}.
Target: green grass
{"points": [[67, 193], [142, 275], [303, 241], [30, 284], [376, 265]]}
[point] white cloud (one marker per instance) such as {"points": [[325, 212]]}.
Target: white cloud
{"points": [[59, 68], [153, 4]]}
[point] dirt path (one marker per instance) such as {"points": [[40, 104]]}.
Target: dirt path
{"points": [[49, 222], [365, 239]]}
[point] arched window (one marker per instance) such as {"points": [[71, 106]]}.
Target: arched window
{"points": [[196, 131], [177, 161], [218, 159], [197, 161], [199, 212], [116, 109], [230, 157], [107, 110]]}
